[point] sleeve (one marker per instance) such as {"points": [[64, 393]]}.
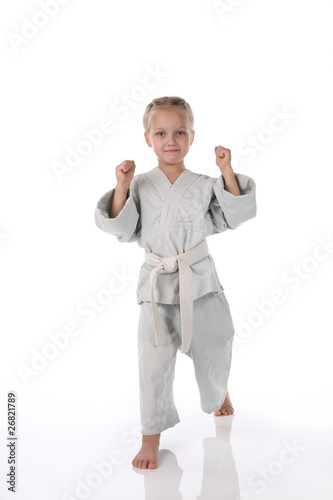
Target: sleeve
{"points": [[126, 225], [229, 211]]}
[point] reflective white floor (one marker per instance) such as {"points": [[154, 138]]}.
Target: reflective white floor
{"points": [[261, 452]]}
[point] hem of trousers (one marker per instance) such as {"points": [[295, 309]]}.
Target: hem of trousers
{"points": [[213, 408], [161, 429]]}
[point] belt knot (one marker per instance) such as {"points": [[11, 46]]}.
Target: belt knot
{"points": [[182, 261], [169, 264]]}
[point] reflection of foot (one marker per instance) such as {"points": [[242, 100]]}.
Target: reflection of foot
{"points": [[226, 408], [147, 456]]}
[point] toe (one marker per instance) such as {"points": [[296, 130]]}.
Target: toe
{"points": [[144, 464], [152, 464], [228, 410]]}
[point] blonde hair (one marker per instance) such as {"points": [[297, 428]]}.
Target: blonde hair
{"points": [[173, 103]]}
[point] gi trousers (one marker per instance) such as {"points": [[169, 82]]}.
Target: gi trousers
{"points": [[210, 351]]}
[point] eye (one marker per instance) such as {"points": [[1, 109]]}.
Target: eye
{"points": [[159, 133], [180, 132]]}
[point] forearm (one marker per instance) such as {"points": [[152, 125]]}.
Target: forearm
{"points": [[230, 182], [119, 200]]}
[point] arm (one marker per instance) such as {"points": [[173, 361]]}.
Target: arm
{"points": [[119, 200], [234, 199], [230, 182], [118, 211], [223, 161]]}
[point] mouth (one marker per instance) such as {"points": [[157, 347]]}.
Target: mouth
{"points": [[172, 150]]}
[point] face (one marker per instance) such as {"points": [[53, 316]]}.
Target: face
{"points": [[170, 137]]}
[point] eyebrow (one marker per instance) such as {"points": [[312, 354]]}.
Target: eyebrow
{"points": [[159, 128]]}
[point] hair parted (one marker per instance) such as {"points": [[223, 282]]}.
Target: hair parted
{"points": [[173, 103]]}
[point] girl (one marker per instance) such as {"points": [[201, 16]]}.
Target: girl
{"points": [[170, 211]]}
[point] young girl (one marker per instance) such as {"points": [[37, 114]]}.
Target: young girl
{"points": [[170, 211]]}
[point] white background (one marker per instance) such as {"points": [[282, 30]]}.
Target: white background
{"points": [[237, 69]]}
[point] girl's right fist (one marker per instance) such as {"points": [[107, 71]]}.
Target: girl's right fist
{"points": [[125, 172]]}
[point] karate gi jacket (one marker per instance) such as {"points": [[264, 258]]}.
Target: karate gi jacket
{"points": [[169, 219]]}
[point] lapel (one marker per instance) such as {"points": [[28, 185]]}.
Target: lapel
{"points": [[172, 193], [159, 180]]}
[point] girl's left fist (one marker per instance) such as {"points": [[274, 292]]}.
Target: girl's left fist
{"points": [[223, 157]]}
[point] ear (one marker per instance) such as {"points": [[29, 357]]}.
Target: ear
{"points": [[192, 139], [147, 139]]}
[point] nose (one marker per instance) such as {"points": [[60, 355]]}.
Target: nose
{"points": [[170, 141]]}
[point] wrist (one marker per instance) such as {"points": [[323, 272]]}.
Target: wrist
{"points": [[122, 188], [227, 172]]}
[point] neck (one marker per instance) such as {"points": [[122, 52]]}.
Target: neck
{"points": [[174, 168]]}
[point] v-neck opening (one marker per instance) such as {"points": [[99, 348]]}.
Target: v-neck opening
{"points": [[171, 193], [167, 178]]}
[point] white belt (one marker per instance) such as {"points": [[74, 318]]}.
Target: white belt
{"points": [[170, 265]]}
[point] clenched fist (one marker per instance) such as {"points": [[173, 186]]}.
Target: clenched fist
{"points": [[223, 158], [125, 172]]}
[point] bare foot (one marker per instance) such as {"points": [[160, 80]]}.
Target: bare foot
{"points": [[147, 456], [226, 408]]}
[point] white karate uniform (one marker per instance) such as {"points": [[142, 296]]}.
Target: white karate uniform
{"points": [[168, 220]]}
